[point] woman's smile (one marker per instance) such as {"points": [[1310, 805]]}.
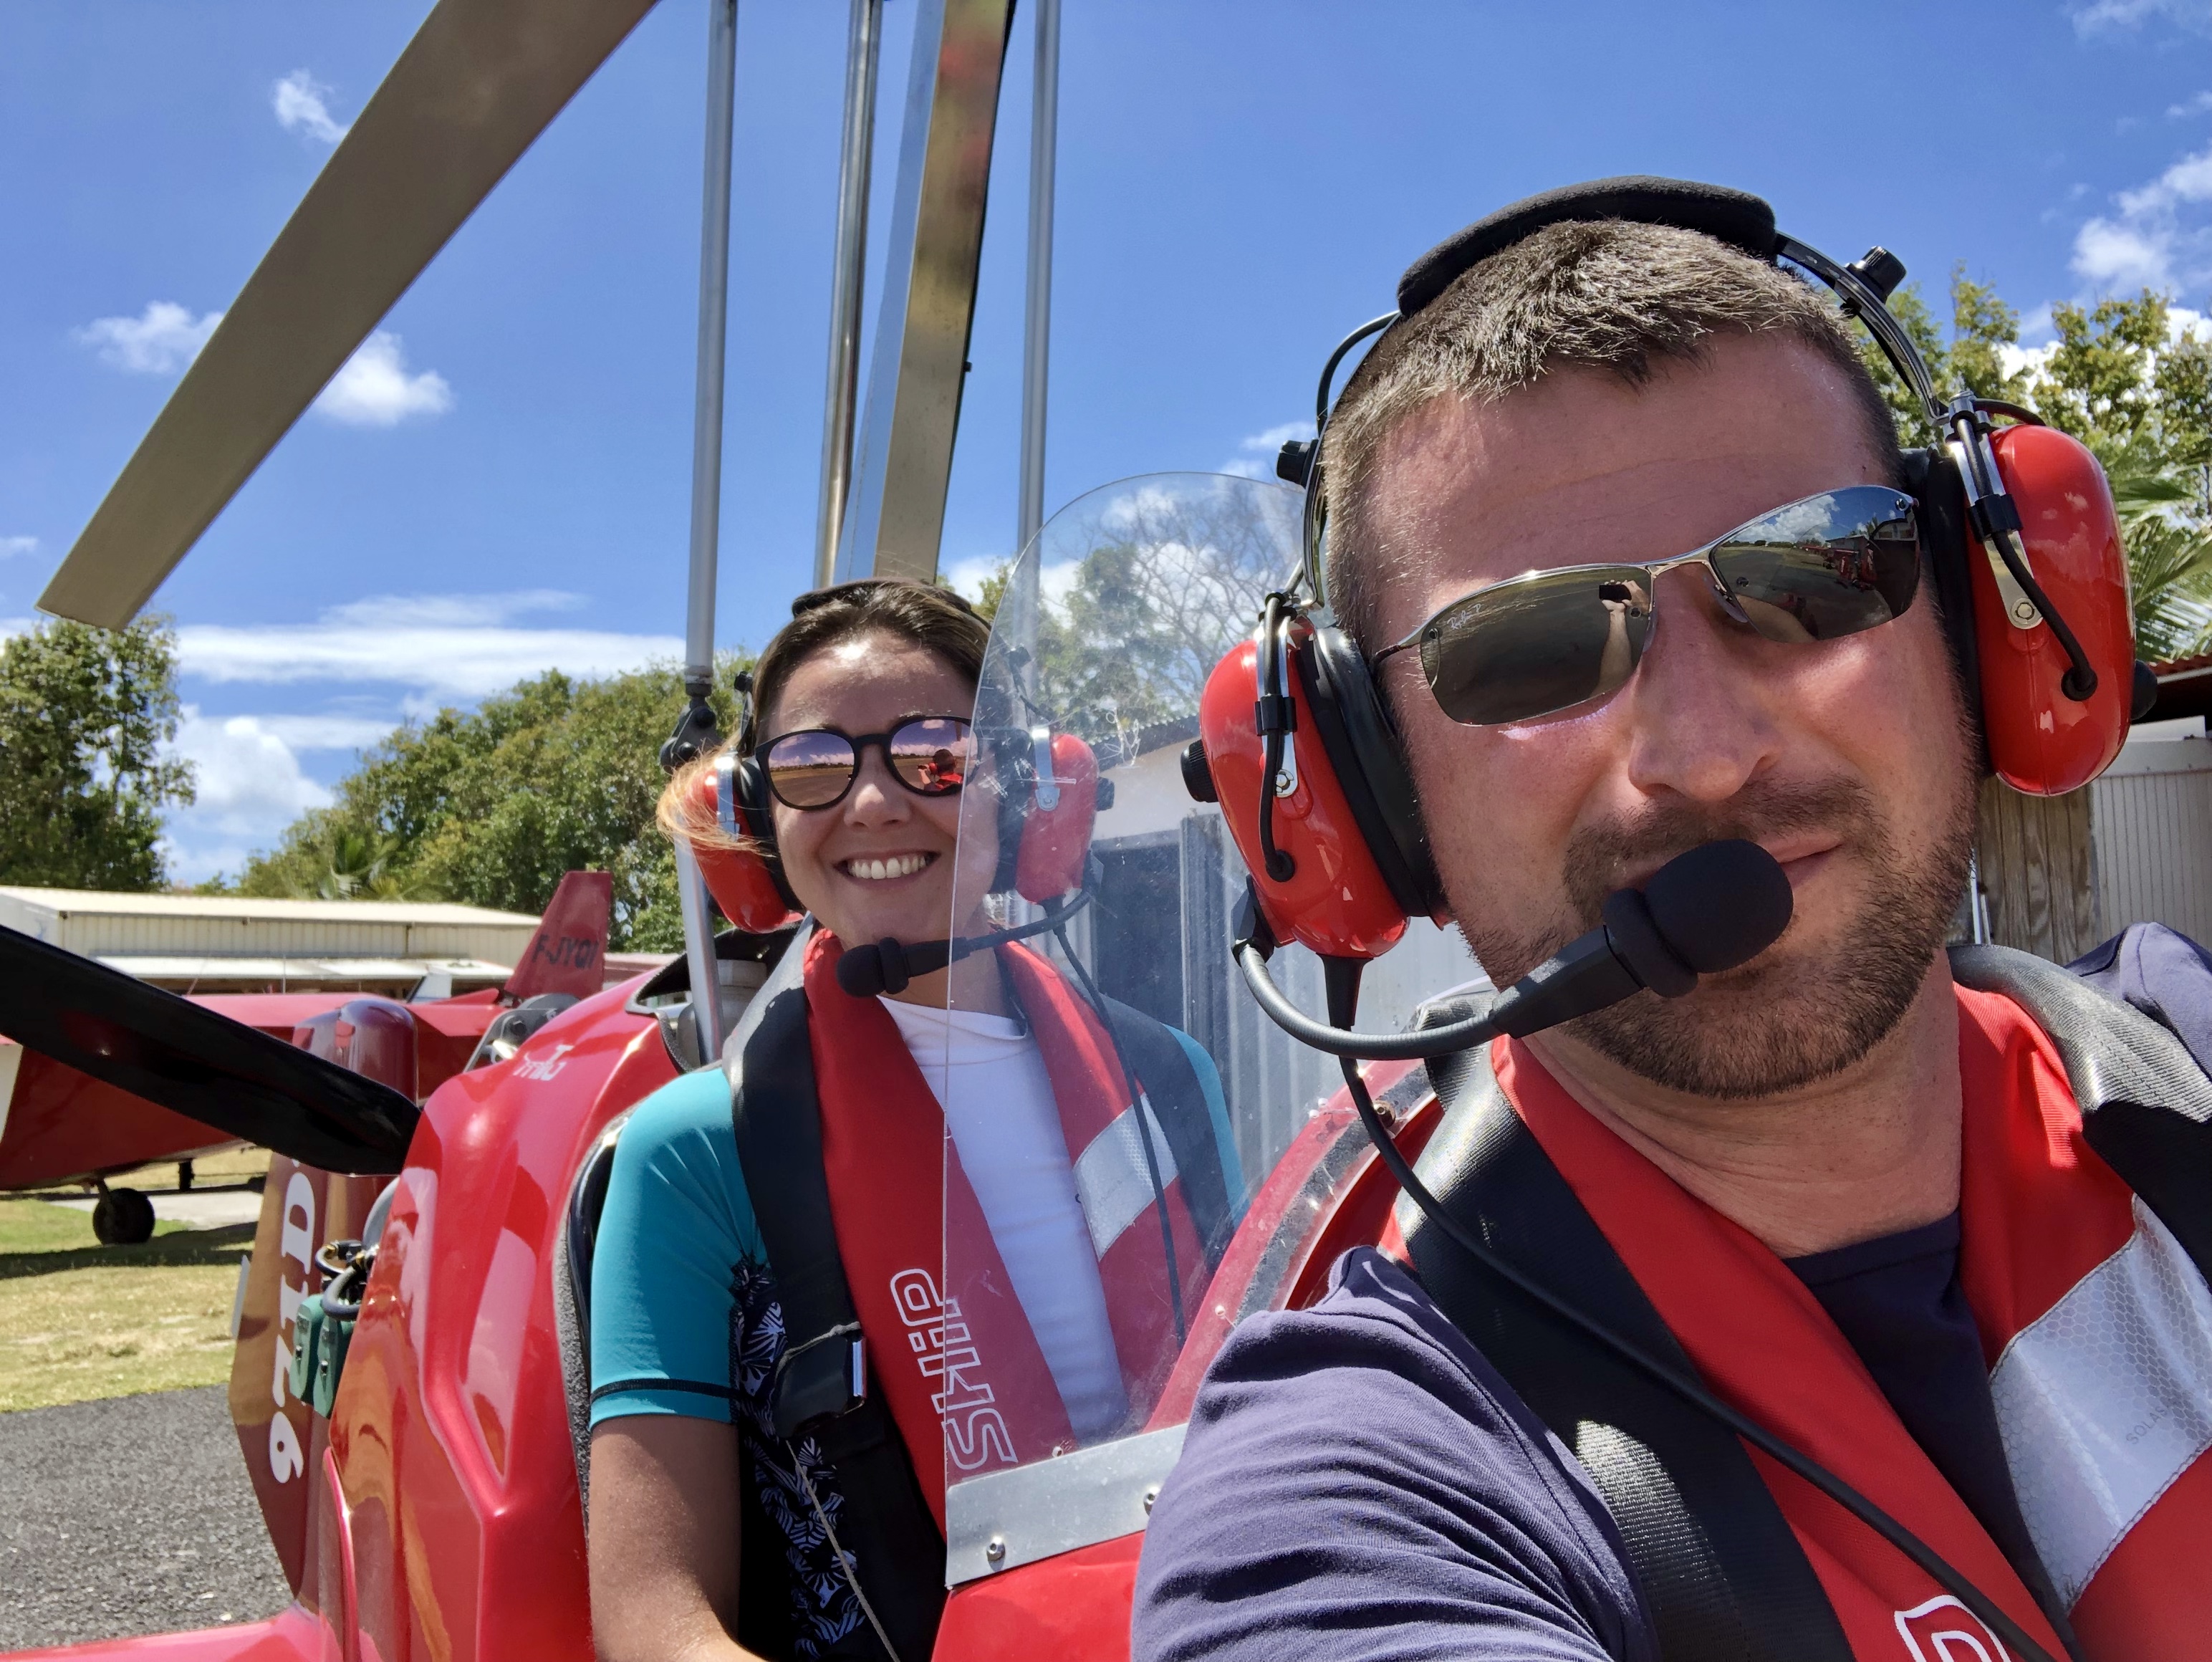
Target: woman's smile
{"points": [[885, 867]]}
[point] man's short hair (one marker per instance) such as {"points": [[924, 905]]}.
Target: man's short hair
{"points": [[1603, 295]]}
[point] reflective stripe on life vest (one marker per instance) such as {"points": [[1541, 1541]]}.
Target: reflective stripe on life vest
{"points": [[1112, 1178], [2105, 1399]]}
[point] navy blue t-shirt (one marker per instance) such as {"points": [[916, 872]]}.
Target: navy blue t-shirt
{"points": [[1358, 1484]]}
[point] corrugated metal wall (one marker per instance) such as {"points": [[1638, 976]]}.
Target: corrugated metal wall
{"points": [[2152, 824], [380, 931]]}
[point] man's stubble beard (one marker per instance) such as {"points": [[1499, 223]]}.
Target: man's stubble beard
{"points": [[1791, 1017]]}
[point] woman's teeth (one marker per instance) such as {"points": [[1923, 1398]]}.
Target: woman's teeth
{"points": [[882, 871]]}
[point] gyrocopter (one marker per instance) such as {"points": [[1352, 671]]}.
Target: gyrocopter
{"points": [[411, 1387]]}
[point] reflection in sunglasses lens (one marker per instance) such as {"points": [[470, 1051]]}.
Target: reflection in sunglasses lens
{"points": [[931, 756], [1540, 644], [1822, 591], [810, 769]]}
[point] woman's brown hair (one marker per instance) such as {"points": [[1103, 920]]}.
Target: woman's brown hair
{"points": [[936, 619]]}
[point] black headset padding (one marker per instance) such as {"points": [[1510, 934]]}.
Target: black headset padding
{"points": [[1735, 217], [756, 812], [1947, 550], [1363, 749], [1013, 771]]}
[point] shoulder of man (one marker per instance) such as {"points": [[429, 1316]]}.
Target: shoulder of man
{"points": [[1357, 1480], [2164, 974]]}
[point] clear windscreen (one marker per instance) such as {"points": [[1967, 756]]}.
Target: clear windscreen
{"points": [[1122, 1098]]}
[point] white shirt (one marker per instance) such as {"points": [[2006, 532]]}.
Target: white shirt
{"points": [[990, 1079]]}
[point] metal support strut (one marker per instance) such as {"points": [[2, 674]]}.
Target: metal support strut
{"points": [[696, 734], [1036, 329], [848, 265]]}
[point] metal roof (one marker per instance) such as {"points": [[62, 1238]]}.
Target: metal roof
{"points": [[166, 967], [240, 908]]}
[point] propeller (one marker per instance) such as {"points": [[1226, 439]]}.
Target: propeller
{"points": [[478, 83], [188, 1059]]}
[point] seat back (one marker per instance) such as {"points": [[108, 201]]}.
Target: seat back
{"points": [[571, 1294]]}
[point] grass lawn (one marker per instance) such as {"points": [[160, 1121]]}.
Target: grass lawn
{"points": [[80, 1320]]}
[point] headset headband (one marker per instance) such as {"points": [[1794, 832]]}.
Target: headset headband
{"points": [[1737, 218]]}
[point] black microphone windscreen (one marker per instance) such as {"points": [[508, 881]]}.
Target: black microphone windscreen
{"points": [[1720, 905], [861, 971]]}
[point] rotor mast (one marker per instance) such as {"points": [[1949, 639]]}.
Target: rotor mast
{"points": [[1036, 321], [697, 735], [848, 266]]}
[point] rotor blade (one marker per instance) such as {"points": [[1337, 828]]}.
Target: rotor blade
{"points": [[478, 83], [194, 1061]]}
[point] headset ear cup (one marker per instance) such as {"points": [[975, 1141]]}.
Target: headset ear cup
{"points": [[1054, 843], [747, 883], [1334, 900], [2041, 740]]}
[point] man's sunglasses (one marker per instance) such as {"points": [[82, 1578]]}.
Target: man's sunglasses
{"points": [[813, 768], [1838, 564]]}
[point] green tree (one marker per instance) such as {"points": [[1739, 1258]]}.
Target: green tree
{"points": [[492, 806], [86, 715], [2118, 380], [1972, 354]]}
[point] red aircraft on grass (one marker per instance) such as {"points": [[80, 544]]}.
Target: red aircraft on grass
{"points": [[60, 1126]]}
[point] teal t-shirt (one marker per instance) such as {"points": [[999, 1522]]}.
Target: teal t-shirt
{"points": [[683, 1313]]}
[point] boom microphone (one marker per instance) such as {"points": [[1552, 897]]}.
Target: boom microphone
{"points": [[1718, 905], [889, 966]]}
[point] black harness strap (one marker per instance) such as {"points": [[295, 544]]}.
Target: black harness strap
{"points": [[897, 1554], [1718, 1566]]}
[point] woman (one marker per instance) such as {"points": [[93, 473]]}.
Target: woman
{"points": [[712, 1536]]}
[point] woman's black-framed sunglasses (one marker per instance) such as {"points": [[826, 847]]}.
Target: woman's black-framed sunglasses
{"points": [[930, 755], [1833, 564]]}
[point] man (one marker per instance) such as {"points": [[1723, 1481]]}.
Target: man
{"points": [[1846, 1186]]}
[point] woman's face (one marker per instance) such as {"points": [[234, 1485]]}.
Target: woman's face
{"points": [[880, 861]]}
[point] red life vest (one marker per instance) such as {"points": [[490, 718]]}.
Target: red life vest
{"points": [[959, 1366], [2096, 1325]]}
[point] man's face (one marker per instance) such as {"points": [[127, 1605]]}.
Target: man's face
{"points": [[1846, 759]]}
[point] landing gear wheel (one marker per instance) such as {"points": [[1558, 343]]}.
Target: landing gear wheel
{"points": [[123, 1217]]}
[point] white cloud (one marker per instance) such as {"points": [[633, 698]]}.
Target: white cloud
{"points": [[442, 646], [375, 390], [1255, 456], [449, 610], [372, 389], [2196, 106], [160, 341], [2105, 16], [249, 786], [2154, 240], [301, 732], [299, 102], [11, 546]]}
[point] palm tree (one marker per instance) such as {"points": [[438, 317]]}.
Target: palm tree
{"points": [[2169, 558]]}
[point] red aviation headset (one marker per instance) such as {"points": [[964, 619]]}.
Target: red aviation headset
{"points": [[1048, 793], [2017, 531]]}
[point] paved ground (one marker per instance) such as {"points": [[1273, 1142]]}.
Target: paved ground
{"points": [[196, 1209], [128, 1516]]}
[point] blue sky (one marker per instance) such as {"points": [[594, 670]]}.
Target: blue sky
{"points": [[500, 484]]}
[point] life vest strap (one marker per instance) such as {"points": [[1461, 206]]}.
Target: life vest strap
{"points": [[1718, 1565], [897, 1554]]}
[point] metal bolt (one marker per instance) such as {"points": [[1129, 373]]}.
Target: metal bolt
{"points": [[1151, 1496], [996, 1552], [2023, 610]]}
